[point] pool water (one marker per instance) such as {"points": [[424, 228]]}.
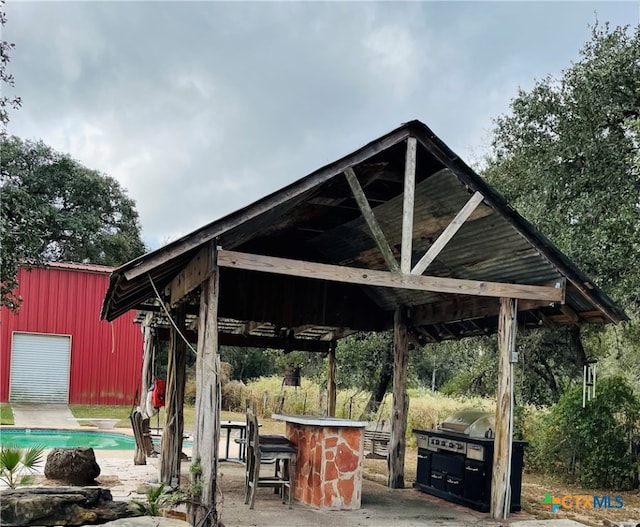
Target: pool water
{"points": [[28, 437]]}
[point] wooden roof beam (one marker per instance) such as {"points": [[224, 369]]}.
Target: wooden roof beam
{"points": [[447, 234], [374, 226], [465, 308], [369, 277], [408, 201], [195, 272], [282, 343], [570, 313], [246, 328]]}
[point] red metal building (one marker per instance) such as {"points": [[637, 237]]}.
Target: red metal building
{"points": [[56, 348]]}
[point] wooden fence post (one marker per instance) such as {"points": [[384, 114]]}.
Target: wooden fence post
{"points": [[331, 381]]}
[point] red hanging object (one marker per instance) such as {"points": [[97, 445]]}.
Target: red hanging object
{"points": [[157, 394]]}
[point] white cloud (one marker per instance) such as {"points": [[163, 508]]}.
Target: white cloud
{"points": [[200, 108], [393, 58]]}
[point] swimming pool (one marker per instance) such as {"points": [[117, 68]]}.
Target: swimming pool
{"points": [[28, 437]]}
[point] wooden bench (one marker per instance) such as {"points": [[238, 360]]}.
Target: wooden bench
{"points": [[376, 441]]}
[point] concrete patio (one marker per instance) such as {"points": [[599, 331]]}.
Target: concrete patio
{"points": [[38, 415], [381, 506]]}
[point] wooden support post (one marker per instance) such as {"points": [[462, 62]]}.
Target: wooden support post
{"points": [[400, 408], [331, 381], [147, 362], [174, 399], [407, 205], [140, 456], [501, 477], [202, 510]]}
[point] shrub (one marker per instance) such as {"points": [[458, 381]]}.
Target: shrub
{"points": [[596, 446], [17, 465], [190, 383], [234, 396], [156, 498]]}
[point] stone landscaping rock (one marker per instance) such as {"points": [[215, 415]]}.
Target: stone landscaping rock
{"points": [[77, 466], [59, 506], [147, 521], [618, 523], [146, 487], [143, 488]]}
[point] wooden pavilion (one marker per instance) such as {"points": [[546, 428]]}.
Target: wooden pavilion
{"points": [[399, 234]]}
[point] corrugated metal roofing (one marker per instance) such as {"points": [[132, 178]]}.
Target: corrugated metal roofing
{"points": [[81, 266], [317, 219], [106, 357]]}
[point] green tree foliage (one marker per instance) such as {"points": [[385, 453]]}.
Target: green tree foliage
{"points": [[248, 363], [55, 209], [6, 78], [466, 367], [567, 157], [597, 446], [623, 345], [360, 359], [472, 367]]}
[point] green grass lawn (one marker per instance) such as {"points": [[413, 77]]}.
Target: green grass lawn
{"points": [[6, 415], [122, 413], [85, 411]]}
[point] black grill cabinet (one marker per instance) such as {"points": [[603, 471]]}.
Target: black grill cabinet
{"points": [[458, 468]]}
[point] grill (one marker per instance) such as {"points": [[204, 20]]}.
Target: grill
{"points": [[455, 462]]}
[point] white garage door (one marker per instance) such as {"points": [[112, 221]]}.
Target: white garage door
{"points": [[40, 368]]}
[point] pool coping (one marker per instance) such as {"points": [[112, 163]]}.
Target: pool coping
{"points": [[121, 430]]}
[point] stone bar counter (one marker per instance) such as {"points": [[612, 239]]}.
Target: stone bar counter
{"points": [[328, 473]]}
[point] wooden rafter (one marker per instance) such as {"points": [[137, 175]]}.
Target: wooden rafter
{"points": [[447, 234], [408, 205], [191, 276], [464, 308], [281, 343], [338, 273], [246, 328], [301, 329], [369, 217], [570, 313]]}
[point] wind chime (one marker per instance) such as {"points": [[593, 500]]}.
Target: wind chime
{"points": [[589, 381]]}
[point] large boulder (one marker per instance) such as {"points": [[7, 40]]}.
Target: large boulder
{"points": [[59, 506], [76, 466]]}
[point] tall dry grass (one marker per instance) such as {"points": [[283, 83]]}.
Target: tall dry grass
{"points": [[268, 395]]}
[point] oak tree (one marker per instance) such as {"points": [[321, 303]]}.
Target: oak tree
{"points": [[53, 208], [567, 157]]}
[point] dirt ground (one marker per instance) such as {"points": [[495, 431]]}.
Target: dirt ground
{"points": [[534, 488], [380, 506]]}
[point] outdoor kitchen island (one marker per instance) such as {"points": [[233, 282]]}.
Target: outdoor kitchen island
{"points": [[330, 452]]}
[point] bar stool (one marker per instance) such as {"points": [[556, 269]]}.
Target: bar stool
{"points": [[260, 450]]}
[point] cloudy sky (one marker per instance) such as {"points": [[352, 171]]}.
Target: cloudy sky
{"points": [[200, 108]]}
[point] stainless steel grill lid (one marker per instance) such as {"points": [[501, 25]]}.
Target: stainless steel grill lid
{"points": [[471, 423]]}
